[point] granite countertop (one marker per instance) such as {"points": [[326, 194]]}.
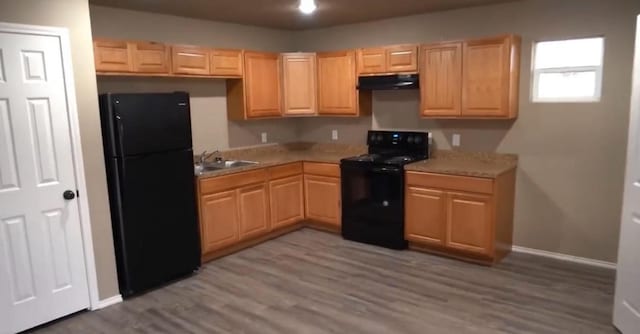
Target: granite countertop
{"points": [[476, 164], [274, 155]]}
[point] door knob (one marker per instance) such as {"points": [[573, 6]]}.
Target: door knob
{"points": [[69, 195]]}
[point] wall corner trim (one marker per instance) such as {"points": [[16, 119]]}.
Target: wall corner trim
{"points": [[565, 257], [107, 302]]}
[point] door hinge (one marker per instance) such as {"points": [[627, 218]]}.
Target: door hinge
{"points": [[77, 193]]}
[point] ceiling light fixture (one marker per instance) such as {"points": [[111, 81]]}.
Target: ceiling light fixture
{"points": [[307, 6]]}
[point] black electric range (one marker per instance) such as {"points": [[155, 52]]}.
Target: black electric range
{"points": [[373, 187]]}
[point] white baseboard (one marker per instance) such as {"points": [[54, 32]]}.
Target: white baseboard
{"points": [[108, 302], [565, 257]]}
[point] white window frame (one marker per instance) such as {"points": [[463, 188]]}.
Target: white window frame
{"points": [[535, 74]]}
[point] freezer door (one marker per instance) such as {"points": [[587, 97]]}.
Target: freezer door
{"points": [[158, 229], [147, 123]]}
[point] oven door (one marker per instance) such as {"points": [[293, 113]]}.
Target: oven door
{"points": [[373, 204]]}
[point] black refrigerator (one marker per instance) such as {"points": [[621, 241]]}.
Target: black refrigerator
{"points": [[149, 159]]}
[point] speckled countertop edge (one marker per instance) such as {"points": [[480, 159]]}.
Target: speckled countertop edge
{"points": [[474, 164]]}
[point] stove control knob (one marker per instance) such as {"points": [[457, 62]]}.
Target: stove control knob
{"points": [[418, 140], [410, 139], [380, 138]]}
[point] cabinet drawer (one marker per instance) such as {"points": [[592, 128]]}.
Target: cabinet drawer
{"points": [[450, 182], [279, 172], [322, 169], [219, 183]]}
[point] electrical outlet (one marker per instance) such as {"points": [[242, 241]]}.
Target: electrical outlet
{"points": [[264, 137], [334, 134], [455, 140]]}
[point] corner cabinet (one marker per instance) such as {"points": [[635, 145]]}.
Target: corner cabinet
{"points": [[258, 94], [299, 84], [337, 93], [471, 79], [460, 216], [286, 189]]}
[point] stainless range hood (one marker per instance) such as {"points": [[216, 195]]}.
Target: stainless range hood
{"points": [[389, 82]]}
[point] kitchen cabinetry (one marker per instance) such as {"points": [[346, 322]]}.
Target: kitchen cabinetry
{"points": [[233, 208], [226, 63], [460, 216], [258, 95], [219, 220], [471, 79], [112, 56], [287, 195], [388, 60], [440, 79], [322, 193], [299, 82], [150, 57], [337, 93], [191, 60]]}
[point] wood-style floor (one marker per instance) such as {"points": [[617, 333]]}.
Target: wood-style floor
{"points": [[314, 282]]}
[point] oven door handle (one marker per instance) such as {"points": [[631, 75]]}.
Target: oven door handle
{"points": [[386, 170]]}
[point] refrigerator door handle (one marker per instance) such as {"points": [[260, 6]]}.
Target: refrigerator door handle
{"points": [[120, 135]]}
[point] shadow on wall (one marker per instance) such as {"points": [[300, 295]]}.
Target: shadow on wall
{"points": [[400, 110]]}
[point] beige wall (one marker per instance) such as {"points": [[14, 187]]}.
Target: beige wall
{"points": [[569, 188], [74, 15], [211, 130]]}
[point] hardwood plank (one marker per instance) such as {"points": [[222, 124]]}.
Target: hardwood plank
{"points": [[315, 282]]}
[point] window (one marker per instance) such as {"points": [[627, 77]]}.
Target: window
{"points": [[568, 71]]}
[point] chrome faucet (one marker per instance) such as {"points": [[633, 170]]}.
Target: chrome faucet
{"points": [[204, 156]]}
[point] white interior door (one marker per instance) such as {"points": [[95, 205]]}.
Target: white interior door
{"points": [[42, 268], [626, 313]]}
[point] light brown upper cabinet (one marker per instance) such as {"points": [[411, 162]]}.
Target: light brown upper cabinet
{"points": [[337, 93], [299, 81], [226, 63], [112, 56], [440, 79], [150, 57], [471, 79], [192, 60], [258, 94], [490, 77], [388, 60], [372, 61]]}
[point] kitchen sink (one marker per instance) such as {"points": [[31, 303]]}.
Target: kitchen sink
{"points": [[223, 164]]}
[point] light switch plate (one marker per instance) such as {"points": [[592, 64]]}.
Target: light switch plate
{"points": [[455, 140], [334, 134], [264, 137]]}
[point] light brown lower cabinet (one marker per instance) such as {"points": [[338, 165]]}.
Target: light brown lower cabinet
{"points": [[461, 216], [219, 220], [322, 193], [287, 205], [254, 211]]}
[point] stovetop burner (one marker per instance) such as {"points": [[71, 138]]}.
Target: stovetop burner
{"points": [[393, 148]]}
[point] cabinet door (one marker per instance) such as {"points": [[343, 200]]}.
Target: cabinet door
{"points": [[469, 225], [150, 57], [372, 61], [190, 60], [287, 196], [322, 199], [485, 78], [227, 63], [254, 211], [425, 215], [337, 84], [440, 76], [299, 79], [220, 220], [262, 85], [112, 56], [402, 58]]}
